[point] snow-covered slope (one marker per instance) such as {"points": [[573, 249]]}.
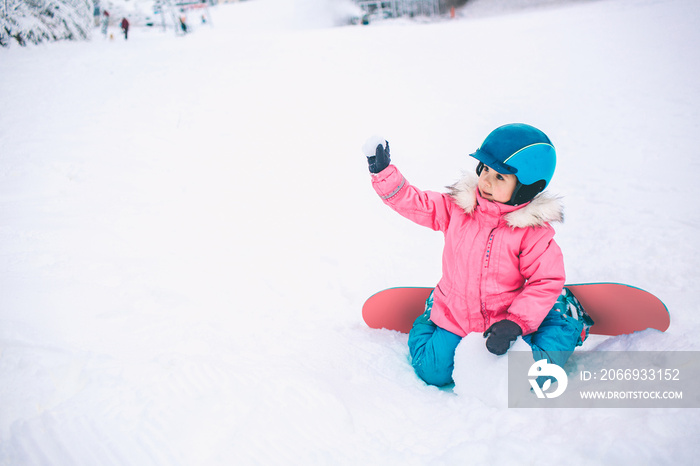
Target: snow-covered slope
{"points": [[188, 232]]}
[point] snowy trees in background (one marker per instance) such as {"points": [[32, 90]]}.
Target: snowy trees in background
{"points": [[35, 21]]}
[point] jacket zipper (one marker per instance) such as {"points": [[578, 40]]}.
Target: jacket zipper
{"points": [[487, 260], [489, 244]]}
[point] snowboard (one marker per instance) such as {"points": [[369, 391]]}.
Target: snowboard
{"points": [[616, 309]]}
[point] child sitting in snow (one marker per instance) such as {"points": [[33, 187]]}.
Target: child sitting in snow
{"points": [[502, 272]]}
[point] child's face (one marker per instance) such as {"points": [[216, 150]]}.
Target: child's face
{"points": [[494, 186]]}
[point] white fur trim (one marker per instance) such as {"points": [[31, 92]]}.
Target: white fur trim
{"points": [[543, 209], [464, 192]]}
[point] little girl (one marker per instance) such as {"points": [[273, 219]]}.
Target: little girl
{"points": [[502, 272]]}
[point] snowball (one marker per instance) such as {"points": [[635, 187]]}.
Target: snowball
{"points": [[370, 146], [481, 374]]}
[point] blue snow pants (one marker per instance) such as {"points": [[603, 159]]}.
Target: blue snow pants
{"points": [[563, 329], [433, 348]]}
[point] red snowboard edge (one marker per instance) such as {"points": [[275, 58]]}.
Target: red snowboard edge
{"points": [[410, 301], [619, 309]]}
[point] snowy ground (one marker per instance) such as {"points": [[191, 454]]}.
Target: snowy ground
{"points": [[188, 232]]}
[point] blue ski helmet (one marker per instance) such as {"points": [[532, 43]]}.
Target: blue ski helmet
{"points": [[521, 150]]}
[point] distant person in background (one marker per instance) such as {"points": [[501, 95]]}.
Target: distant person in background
{"points": [[183, 23], [125, 28], [105, 23]]}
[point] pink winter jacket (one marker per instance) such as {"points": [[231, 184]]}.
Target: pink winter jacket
{"points": [[499, 261]]}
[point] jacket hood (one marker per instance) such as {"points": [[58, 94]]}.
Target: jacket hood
{"points": [[541, 210]]}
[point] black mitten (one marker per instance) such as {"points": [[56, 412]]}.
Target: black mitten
{"points": [[380, 160], [501, 335]]}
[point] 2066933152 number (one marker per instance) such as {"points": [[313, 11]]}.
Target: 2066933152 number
{"points": [[640, 374]]}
